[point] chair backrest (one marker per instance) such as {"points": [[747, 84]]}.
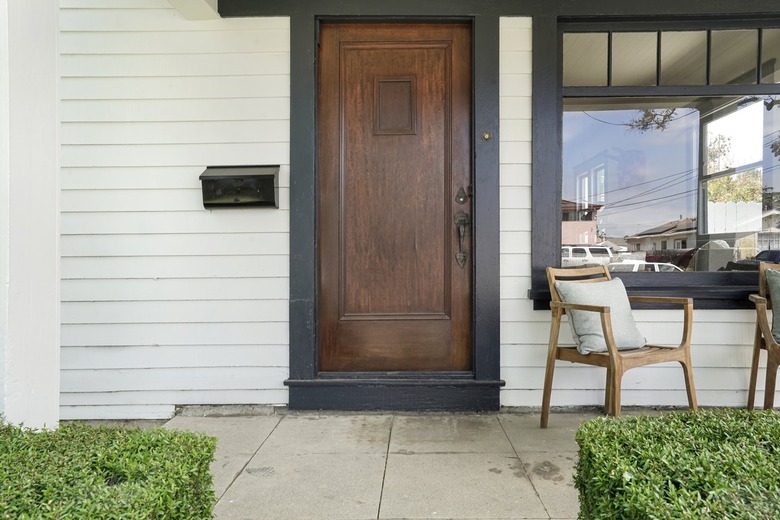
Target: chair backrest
{"points": [[595, 274], [763, 290]]}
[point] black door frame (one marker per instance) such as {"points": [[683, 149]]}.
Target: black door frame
{"points": [[309, 389], [480, 389]]}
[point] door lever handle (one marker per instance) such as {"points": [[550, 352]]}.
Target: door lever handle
{"points": [[462, 220]]}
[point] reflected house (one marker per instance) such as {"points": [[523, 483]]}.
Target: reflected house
{"points": [[578, 223], [769, 237], [675, 234]]}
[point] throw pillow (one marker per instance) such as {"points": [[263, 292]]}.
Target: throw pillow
{"points": [[773, 285], [586, 325]]}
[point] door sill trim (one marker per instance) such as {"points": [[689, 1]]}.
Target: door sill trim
{"points": [[379, 393]]}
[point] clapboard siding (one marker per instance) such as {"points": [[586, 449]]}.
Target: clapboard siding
{"points": [[144, 334], [174, 356], [721, 339], [203, 132], [166, 110], [83, 411], [164, 397], [162, 200], [173, 379], [193, 267], [164, 302], [187, 311], [182, 222], [174, 154], [170, 289], [193, 244], [179, 65], [210, 42]]}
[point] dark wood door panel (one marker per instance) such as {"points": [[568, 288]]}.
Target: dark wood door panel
{"points": [[394, 132]]}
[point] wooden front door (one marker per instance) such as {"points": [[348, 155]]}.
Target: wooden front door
{"points": [[394, 176]]}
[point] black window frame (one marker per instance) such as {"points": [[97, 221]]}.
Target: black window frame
{"points": [[712, 290]]}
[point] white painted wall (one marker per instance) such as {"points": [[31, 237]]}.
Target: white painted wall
{"points": [[29, 216], [164, 302], [5, 172], [722, 340]]}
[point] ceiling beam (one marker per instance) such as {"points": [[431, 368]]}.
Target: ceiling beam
{"points": [[196, 9]]}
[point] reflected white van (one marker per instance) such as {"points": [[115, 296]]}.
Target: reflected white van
{"points": [[579, 256]]}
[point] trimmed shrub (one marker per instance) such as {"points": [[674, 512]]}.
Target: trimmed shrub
{"points": [[705, 464], [83, 472]]}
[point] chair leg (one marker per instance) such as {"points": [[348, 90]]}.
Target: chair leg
{"points": [[552, 352], [772, 361], [689, 388], [617, 378], [608, 393], [548, 379], [754, 369]]}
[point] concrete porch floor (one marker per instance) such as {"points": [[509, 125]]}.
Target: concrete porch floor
{"points": [[312, 466]]}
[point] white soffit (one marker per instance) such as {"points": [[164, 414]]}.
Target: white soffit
{"points": [[196, 9]]}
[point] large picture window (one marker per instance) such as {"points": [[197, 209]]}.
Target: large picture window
{"points": [[671, 147]]}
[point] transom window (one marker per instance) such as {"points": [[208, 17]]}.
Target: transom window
{"points": [[671, 145]]}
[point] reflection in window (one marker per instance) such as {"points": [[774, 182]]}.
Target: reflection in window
{"points": [[585, 59], [634, 60], [688, 181], [733, 57], [683, 57], [770, 56]]}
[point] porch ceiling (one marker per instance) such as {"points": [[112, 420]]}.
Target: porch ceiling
{"points": [[196, 9]]}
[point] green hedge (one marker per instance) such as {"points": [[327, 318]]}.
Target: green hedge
{"points": [[83, 472], [705, 464]]}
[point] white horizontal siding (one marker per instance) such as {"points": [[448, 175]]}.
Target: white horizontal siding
{"points": [[722, 340], [173, 289], [163, 302]]}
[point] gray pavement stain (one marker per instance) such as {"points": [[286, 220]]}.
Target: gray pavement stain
{"points": [[548, 471]]}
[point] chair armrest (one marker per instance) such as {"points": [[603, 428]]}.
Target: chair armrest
{"points": [[580, 307], [687, 309], [762, 319], [661, 299]]}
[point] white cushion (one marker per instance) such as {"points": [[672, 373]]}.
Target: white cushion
{"points": [[586, 325], [773, 285]]}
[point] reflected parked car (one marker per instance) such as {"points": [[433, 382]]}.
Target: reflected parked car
{"points": [[629, 266], [751, 264], [584, 256]]}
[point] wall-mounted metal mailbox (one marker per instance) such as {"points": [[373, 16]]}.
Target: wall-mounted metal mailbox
{"points": [[240, 186]]}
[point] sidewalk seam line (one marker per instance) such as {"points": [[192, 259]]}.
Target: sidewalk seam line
{"points": [[238, 474], [384, 473]]}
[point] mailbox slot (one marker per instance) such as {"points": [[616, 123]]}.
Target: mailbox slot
{"points": [[240, 186]]}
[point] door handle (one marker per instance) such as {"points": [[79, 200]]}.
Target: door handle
{"points": [[462, 220]]}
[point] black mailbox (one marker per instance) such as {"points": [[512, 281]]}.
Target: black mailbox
{"points": [[240, 186]]}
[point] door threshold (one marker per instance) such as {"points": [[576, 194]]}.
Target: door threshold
{"points": [[395, 394], [398, 375]]}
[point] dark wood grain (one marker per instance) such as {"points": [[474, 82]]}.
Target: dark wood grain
{"points": [[394, 131]]}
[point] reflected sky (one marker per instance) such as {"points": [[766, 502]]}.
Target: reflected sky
{"points": [[649, 177]]}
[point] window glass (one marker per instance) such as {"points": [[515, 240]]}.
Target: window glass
{"points": [[733, 57], [585, 59], [770, 56], [683, 57], [695, 173], [634, 58]]}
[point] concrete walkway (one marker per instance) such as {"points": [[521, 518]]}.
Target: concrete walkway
{"points": [[392, 466]]}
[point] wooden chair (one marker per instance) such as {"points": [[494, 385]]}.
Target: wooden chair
{"points": [[617, 362], [763, 339]]}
